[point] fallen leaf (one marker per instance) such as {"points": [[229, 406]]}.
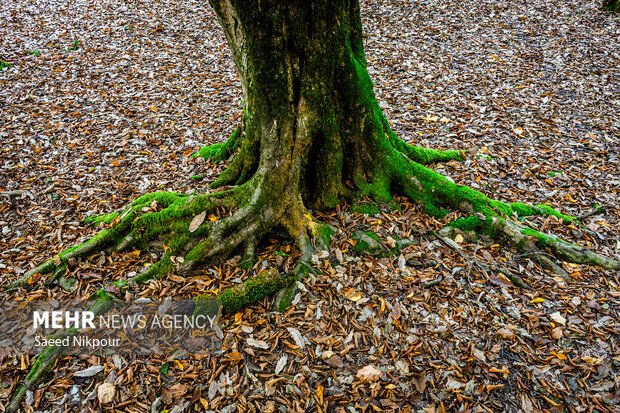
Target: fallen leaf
{"points": [[557, 333], [368, 374], [89, 372], [257, 343], [297, 336], [505, 333], [281, 364], [353, 295], [197, 221], [557, 317], [479, 354], [106, 393]]}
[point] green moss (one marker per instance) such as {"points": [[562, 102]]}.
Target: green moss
{"points": [[543, 240], [467, 224], [209, 307], [163, 198], [104, 218], [252, 290], [365, 208], [323, 234], [612, 5], [425, 156], [284, 298], [39, 362], [219, 152]]}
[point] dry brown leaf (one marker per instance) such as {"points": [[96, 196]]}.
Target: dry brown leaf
{"points": [[505, 333], [368, 374], [197, 221], [419, 380], [479, 354], [557, 317], [106, 393]]}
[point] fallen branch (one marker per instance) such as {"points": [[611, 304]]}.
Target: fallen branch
{"points": [[18, 192]]}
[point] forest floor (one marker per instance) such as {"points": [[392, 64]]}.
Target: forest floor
{"points": [[107, 100]]}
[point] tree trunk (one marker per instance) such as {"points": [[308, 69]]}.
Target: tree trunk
{"points": [[314, 132], [311, 118], [312, 135]]}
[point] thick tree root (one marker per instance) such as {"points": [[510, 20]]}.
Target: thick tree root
{"points": [[252, 290], [162, 218], [493, 218], [425, 156], [46, 360], [401, 171], [445, 236]]}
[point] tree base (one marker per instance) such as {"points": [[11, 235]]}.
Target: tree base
{"points": [[206, 229]]}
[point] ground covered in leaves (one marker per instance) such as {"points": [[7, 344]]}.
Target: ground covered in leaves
{"points": [[103, 101]]}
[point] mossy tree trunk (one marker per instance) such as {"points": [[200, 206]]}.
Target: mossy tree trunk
{"points": [[313, 134], [312, 123]]}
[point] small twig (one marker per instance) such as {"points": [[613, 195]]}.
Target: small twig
{"points": [[472, 261], [433, 282], [424, 264], [595, 211], [531, 254], [515, 279]]}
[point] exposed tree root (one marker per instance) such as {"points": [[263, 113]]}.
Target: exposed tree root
{"points": [[186, 228], [231, 299], [164, 219], [496, 219], [46, 360], [515, 279]]}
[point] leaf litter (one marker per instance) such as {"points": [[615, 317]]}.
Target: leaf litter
{"points": [[106, 100]]}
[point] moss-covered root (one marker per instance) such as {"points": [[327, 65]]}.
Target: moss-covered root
{"points": [[252, 290], [426, 156], [45, 361], [423, 156], [531, 241], [565, 251], [163, 218], [494, 218], [219, 152], [58, 264], [41, 367]]}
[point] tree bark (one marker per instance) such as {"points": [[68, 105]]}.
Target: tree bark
{"points": [[314, 132], [311, 117]]}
